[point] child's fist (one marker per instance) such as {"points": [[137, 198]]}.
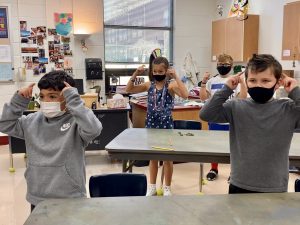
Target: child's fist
{"points": [[171, 73], [288, 83], [233, 81], [140, 70], [27, 91], [206, 77], [67, 86]]}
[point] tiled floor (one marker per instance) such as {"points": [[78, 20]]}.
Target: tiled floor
{"points": [[14, 209]]}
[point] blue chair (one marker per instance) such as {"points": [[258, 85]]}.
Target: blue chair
{"points": [[297, 185], [187, 125], [118, 184]]}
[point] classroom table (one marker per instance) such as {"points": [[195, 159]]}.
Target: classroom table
{"points": [[258, 209], [180, 145]]}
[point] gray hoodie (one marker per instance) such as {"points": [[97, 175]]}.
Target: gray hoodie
{"points": [[260, 137], [55, 146]]}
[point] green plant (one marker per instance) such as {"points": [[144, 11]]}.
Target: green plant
{"points": [[237, 69]]}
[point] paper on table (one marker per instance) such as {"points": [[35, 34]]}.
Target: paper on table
{"points": [[193, 103], [139, 95]]}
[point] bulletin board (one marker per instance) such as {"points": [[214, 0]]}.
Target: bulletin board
{"points": [[6, 70], [44, 48]]}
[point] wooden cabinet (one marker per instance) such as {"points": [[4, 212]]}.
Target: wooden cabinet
{"points": [[238, 38], [291, 32]]}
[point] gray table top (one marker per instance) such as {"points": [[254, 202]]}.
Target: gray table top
{"points": [[241, 209], [203, 146]]}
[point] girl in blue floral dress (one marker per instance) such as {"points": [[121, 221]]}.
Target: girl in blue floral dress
{"points": [[162, 87]]}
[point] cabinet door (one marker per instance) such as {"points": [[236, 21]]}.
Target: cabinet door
{"points": [[238, 38], [291, 30], [234, 38], [113, 122], [218, 38], [251, 29]]}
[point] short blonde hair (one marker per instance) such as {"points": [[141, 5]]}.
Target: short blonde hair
{"points": [[225, 58]]}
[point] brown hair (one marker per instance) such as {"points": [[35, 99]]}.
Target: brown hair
{"points": [[225, 58], [157, 61], [261, 62]]}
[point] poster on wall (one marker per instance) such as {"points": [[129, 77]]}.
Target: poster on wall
{"points": [[44, 48], [3, 23], [23, 25], [63, 23], [6, 71], [239, 9]]}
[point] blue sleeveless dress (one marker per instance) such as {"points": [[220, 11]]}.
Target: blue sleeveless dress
{"points": [[160, 105]]}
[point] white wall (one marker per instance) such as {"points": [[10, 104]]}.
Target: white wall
{"points": [[192, 32]]}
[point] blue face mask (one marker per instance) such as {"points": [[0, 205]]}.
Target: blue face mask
{"points": [[261, 95], [159, 77]]}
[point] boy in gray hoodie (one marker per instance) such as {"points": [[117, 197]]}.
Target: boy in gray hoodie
{"points": [[261, 127], [55, 137]]}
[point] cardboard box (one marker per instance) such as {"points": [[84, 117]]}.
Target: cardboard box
{"points": [[89, 98], [117, 103]]}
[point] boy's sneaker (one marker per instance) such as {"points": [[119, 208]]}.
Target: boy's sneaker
{"points": [[212, 175], [167, 191], [151, 190]]}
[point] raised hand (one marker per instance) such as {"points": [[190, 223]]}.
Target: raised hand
{"points": [[171, 73], [67, 86], [288, 83], [206, 77], [140, 70], [27, 91], [233, 81]]}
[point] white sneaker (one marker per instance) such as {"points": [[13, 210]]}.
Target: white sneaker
{"points": [[151, 190], [167, 191]]}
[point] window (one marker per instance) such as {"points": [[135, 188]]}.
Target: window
{"points": [[133, 28]]}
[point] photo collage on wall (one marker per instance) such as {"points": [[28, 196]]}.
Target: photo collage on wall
{"points": [[44, 49]]}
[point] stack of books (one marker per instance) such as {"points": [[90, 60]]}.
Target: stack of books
{"points": [[139, 97]]}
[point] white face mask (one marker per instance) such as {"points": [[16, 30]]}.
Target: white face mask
{"points": [[51, 109]]}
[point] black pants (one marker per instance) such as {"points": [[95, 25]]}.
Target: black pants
{"points": [[236, 190], [32, 207]]}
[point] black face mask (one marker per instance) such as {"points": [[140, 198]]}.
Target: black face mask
{"points": [[223, 70], [159, 77], [261, 95]]}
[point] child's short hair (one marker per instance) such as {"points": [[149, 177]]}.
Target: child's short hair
{"points": [[225, 58], [55, 80], [157, 61], [261, 62]]}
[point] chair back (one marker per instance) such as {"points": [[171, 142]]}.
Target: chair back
{"points": [[187, 124], [297, 185], [119, 184]]}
